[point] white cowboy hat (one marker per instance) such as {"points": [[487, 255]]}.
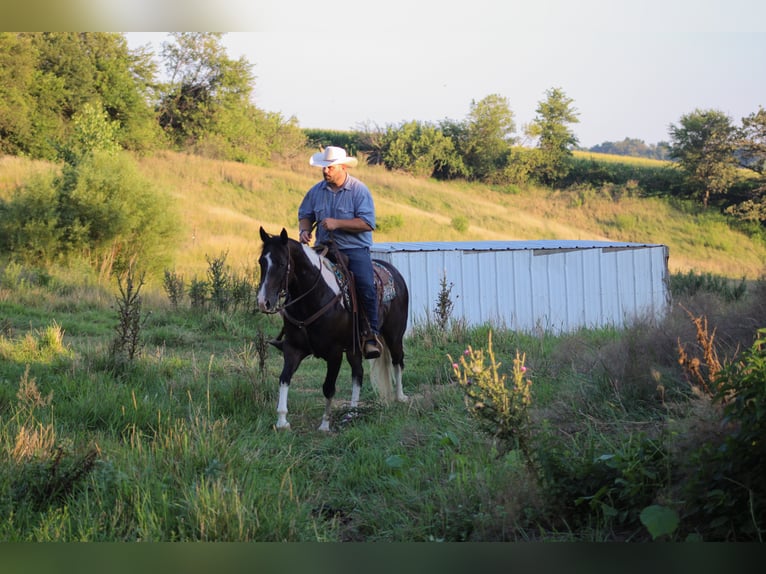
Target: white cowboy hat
{"points": [[332, 155]]}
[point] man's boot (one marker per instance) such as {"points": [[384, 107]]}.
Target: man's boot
{"points": [[371, 348]]}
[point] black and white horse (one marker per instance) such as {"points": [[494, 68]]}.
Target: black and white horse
{"points": [[310, 293]]}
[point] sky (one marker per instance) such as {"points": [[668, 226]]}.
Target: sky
{"points": [[631, 68]]}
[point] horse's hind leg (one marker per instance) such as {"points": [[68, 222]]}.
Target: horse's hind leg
{"points": [[357, 374], [328, 389], [397, 364]]}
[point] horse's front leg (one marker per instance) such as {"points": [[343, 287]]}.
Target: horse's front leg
{"points": [[328, 388], [290, 365]]}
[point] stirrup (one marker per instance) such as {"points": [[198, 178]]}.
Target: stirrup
{"points": [[371, 349]]}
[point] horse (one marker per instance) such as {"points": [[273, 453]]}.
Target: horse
{"points": [[312, 295]]}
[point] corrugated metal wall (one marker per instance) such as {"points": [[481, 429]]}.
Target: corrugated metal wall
{"points": [[557, 286]]}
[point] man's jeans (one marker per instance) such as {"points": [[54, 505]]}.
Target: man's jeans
{"points": [[360, 264]]}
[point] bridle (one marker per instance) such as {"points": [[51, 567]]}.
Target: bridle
{"points": [[283, 294]]}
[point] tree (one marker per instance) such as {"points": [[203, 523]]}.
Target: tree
{"points": [[17, 76], [751, 155], [205, 107], [47, 78], [421, 149], [203, 83], [488, 136], [703, 143], [554, 139], [751, 148]]}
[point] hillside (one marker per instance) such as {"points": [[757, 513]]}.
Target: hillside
{"points": [[222, 204]]}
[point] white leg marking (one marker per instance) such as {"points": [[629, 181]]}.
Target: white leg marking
{"points": [[400, 396], [324, 426], [282, 407], [356, 388]]}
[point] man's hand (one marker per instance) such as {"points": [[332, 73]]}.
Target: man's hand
{"points": [[330, 223]]}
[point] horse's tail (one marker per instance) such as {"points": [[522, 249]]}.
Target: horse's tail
{"points": [[382, 375]]}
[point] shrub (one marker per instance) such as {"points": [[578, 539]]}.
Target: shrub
{"points": [[460, 223], [691, 283], [501, 407]]}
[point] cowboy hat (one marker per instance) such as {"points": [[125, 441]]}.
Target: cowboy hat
{"points": [[332, 155]]}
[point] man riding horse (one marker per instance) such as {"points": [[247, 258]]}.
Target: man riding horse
{"points": [[342, 209]]}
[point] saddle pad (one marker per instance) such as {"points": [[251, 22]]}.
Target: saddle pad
{"points": [[384, 283]]}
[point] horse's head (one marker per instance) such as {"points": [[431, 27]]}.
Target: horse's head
{"points": [[275, 268]]}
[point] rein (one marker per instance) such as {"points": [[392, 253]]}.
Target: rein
{"points": [[305, 322]]}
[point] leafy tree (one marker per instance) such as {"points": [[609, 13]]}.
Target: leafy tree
{"points": [[703, 143], [47, 78], [203, 82], [92, 131], [17, 76], [751, 155], [488, 136], [205, 107], [421, 149], [751, 148], [554, 138]]}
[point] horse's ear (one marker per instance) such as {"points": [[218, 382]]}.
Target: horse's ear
{"points": [[264, 235], [283, 235]]}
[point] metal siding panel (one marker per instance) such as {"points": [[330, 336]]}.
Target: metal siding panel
{"points": [[610, 294], [524, 311], [642, 273], [574, 290], [592, 297], [626, 263], [540, 293], [555, 268], [471, 290], [505, 295]]}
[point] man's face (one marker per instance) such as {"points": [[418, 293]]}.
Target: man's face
{"points": [[334, 174]]}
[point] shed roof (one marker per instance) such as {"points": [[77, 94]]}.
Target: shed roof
{"points": [[404, 246]]}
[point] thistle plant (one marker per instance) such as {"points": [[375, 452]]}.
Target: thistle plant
{"points": [[500, 405]]}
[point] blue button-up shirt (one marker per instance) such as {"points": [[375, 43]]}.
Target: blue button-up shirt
{"points": [[352, 200]]}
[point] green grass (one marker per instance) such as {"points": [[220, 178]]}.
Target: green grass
{"points": [[181, 446]]}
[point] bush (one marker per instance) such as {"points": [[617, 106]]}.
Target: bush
{"points": [[691, 283], [29, 222], [99, 209]]}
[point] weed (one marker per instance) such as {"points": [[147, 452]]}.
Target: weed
{"points": [[501, 408], [127, 341], [220, 291], [173, 284], [444, 304]]}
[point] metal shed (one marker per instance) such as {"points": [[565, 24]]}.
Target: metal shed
{"points": [[554, 285]]}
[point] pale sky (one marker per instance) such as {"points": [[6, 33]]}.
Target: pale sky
{"points": [[632, 68]]}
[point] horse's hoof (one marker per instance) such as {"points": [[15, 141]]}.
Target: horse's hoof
{"points": [[324, 427], [282, 426], [402, 398]]}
